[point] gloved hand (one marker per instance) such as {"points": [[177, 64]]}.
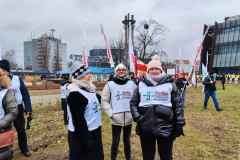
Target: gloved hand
{"points": [[178, 131], [89, 145]]}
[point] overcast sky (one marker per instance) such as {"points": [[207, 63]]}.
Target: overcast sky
{"points": [[184, 18]]}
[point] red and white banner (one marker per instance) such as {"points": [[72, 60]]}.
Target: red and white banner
{"points": [[0, 50], [108, 49], [84, 56], [181, 71], [160, 49], [131, 56], [200, 46]]}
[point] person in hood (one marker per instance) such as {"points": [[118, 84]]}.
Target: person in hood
{"points": [[21, 93], [64, 84], [83, 107], [115, 101], [157, 108], [8, 112], [210, 90]]}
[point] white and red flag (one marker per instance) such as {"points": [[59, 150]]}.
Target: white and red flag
{"points": [[108, 49], [131, 56], [84, 56], [200, 46]]}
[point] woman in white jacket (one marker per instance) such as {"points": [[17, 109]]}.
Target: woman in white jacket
{"points": [[115, 101]]}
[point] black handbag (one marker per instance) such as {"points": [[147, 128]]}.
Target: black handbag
{"points": [[164, 112]]}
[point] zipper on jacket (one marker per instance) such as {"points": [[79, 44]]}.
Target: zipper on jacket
{"points": [[124, 119]]}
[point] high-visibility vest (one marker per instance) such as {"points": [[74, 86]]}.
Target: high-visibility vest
{"points": [[238, 76], [233, 76]]}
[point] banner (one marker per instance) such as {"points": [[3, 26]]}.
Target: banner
{"points": [[194, 78], [200, 46], [189, 74], [160, 49], [141, 68], [204, 74], [181, 71], [0, 50], [108, 49], [131, 56], [84, 56]]}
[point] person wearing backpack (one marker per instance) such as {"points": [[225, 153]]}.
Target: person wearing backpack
{"points": [[8, 114]]}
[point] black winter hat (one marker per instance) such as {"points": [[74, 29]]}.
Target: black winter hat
{"points": [[211, 72], [4, 64]]}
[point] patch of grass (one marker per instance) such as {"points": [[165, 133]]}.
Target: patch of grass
{"points": [[208, 134]]}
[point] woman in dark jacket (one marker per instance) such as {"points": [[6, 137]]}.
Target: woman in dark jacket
{"points": [[157, 108], [84, 127]]}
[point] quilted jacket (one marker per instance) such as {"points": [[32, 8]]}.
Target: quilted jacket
{"points": [[149, 123], [10, 106]]}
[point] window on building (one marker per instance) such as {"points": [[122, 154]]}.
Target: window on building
{"points": [[99, 77], [104, 77]]}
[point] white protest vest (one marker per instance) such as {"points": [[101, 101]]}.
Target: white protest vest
{"points": [[121, 96], [15, 88], [2, 112], [64, 90], [155, 95], [92, 112]]}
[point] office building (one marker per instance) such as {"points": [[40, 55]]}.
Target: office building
{"points": [[222, 43]]}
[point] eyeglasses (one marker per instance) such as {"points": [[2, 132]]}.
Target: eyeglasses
{"points": [[121, 70]]}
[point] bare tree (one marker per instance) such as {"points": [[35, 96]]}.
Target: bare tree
{"points": [[148, 38], [44, 52], [10, 56], [117, 46], [29, 67]]}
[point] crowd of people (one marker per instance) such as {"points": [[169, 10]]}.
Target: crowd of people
{"points": [[153, 102]]}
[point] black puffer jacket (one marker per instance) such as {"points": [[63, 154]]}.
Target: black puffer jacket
{"points": [[149, 124], [209, 87]]}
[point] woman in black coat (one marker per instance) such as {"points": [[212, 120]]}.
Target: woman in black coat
{"points": [[157, 108]]}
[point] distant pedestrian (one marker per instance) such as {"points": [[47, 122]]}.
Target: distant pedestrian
{"points": [[233, 78], [64, 84], [84, 127], [210, 90], [215, 77], [132, 78], [111, 76], [181, 84], [228, 77], [223, 78]]}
